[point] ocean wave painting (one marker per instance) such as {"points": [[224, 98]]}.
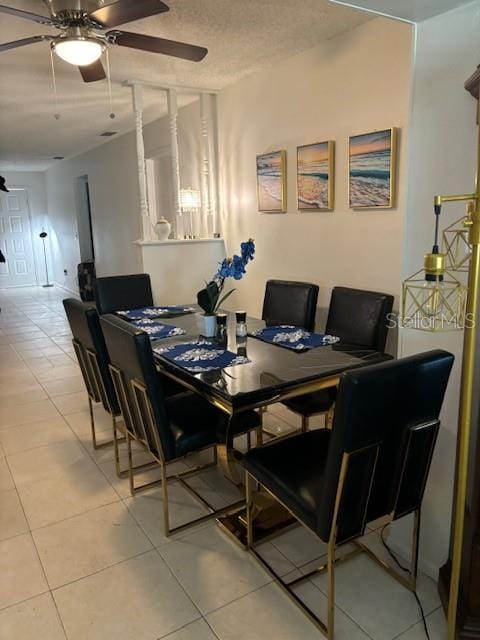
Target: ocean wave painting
{"points": [[271, 182], [372, 169], [315, 176]]}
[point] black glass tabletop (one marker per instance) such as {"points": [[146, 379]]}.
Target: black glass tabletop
{"points": [[272, 371]]}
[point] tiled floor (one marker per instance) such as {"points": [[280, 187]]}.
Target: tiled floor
{"points": [[81, 559]]}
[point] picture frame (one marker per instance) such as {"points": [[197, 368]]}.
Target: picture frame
{"points": [[272, 182], [316, 176], [372, 170]]}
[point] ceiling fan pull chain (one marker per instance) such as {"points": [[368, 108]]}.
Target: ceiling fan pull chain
{"points": [[56, 115], [109, 82]]}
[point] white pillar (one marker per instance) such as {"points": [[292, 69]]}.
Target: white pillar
{"points": [[207, 226], [214, 185], [172, 116], [142, 177]]}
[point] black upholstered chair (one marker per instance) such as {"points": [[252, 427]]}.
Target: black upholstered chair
{"points": [[169, 428], [117, 293], [92, 356], [373, 463], [359, 318], [293, 303]]}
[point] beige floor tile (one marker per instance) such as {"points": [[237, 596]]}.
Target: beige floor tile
{"points": [[20, 570], [437, 628], [269, 613], [376, 601], [58, 373], [85, 544], [60, 360], [299, 546], [10, 416], [12, 518], [58, 481], [35, 434], [35, 394], [71, 402], [65, 386], [206, 559], [16, 377], [147, 509], [80, 422], [6, 480], [198, 630], [36, 618], [138, 598]]}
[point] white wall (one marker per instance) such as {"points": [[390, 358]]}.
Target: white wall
{"points": [[351, 84], [113, 182], [34, 183], [442, 161]]}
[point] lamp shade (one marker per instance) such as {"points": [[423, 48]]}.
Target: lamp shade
{"points": [[190, 199], [456, 246], [78, 50]]}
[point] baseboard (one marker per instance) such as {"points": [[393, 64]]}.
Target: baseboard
{"points": [[61, 286]]}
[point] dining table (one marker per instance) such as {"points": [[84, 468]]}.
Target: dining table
{"points": [[269, 374]]}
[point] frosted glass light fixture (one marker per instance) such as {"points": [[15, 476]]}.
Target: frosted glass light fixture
{"points": [[190, 203], [78, 50], [432, 298]]}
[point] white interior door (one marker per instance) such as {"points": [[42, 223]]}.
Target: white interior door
{"points": [[16, 240]]}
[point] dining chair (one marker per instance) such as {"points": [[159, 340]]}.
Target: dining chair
{"points": [[118, 293], [360, 319], [292, 303], [92, 356], [374, 463], [169, 428]]}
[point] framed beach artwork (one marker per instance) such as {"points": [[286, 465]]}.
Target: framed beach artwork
{"points": [[271, 182], [373, 160], [315, 176]]}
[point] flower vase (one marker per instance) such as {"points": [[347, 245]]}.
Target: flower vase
{"points": [[207, 325]]}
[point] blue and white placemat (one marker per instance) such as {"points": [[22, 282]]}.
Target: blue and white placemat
{"points": [[155, 312], [200, 356], [157, 330], [293, 338]]}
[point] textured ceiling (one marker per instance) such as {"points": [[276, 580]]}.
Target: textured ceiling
{"points": [[410, 10], [243, 36]]}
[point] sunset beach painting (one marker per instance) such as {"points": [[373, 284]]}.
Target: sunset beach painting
{"points": [[372, 169], [315, 176], [271, 182]]}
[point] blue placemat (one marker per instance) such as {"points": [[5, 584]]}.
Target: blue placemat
{"points": [[293, 337], [200, 356], [155, 312], [157, 330]]}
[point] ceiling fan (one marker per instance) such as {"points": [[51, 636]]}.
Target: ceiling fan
{"points": [[84, 36]]}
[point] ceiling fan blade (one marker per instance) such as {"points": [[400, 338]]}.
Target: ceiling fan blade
{"points": [[21, 43], [93, 72], [26, 14], [158, 45], [124, 11]]}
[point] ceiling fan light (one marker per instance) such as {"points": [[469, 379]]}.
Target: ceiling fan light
{"points": [[78, 51]]}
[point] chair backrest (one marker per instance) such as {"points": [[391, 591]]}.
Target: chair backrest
{"points": [[293, 303], [138, 385], [117, 293], [359, 317], [383, 435], [92, 353]]}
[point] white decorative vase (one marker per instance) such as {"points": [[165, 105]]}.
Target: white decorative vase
{"points": [[162, 229], [207, 325]]}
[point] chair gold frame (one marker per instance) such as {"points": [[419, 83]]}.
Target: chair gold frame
{"points": [[409, 580], [149, 439], [88, 362]]}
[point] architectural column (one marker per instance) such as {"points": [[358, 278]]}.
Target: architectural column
{"points": [[142, 177], [206, 182], [173, 116]]}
